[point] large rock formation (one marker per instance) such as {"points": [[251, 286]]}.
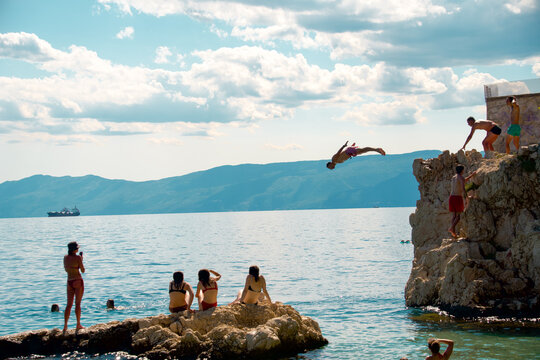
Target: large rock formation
{"points": [[234, 331], [494, 266]]}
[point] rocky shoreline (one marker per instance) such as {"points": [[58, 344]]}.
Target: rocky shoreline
{"points": [[232, 331], [493, 267]]}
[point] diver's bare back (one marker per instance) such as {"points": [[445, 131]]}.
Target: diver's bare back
{"points": [[484, 125]]}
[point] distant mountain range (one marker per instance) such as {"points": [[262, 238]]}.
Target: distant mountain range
{"points": [[365, 181]]}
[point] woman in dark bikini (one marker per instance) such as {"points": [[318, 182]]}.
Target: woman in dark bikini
{"points": [[75, 285], [255, 283], [179, 301], [207, 289]]}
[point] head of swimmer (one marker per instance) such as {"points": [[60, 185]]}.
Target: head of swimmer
{"points": [[110, 304], [471, 121], [434, 345], [330, 165], [459, 169]]}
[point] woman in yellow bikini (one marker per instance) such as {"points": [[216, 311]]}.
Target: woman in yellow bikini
{"points": [[255, 283], [75, 284], [207, 289], [179, 300]]}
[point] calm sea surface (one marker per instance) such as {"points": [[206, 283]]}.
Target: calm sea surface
{"points": [[345, 268]]}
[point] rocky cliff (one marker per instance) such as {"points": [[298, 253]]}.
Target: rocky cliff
{"points": [[493, 267], [234, 331]]}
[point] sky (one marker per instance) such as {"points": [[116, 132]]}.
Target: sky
{"points": [[144, 90]]}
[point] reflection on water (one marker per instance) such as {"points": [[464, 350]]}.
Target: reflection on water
{"points": [[345, 268]]}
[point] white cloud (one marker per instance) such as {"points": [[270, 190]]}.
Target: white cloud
{"points": [[398, 112], [199, 101], [465, 91], [536, 69], [162, 55], [245, 13], [25, 46], [126, 33], [287, 147], [392, 10], [420, 32], [263, 22], [219, 32], [519, 6], [533, 61], [165, 141], [228, 85]]}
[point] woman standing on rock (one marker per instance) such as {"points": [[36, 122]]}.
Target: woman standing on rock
{"points": [[179, 301], [75, 284], [207, 289], [255, 283]]}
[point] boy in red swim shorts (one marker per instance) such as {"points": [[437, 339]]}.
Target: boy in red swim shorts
{"points": [[456, 201]]}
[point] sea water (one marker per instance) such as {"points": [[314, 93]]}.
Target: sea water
{"points": [[347, 269]]}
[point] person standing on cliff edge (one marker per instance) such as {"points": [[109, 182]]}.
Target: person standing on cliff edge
{"points": [[514, 131], [456, 203], [492, 133]]}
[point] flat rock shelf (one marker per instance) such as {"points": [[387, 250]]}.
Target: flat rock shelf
{"points": [[237, 330]]}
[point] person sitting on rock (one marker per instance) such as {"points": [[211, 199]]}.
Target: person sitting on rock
{"points": [[434, 346], [178, 299], [255, 283], [350, 152], [492, 133], [456, 203], [207, 289]]}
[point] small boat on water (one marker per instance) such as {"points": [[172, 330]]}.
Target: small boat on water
{"points": [[65, 212]]}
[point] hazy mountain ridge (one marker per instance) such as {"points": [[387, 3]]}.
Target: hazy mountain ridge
{"points": [[365, 181]]}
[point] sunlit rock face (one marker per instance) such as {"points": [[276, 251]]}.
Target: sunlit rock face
{"points": [[493, 267], [233, 331]]}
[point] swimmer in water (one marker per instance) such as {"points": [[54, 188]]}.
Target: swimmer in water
{"points": [[434, 346]]}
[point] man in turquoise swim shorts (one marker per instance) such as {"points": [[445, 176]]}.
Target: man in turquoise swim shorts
{"points": [[514, 131]]}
